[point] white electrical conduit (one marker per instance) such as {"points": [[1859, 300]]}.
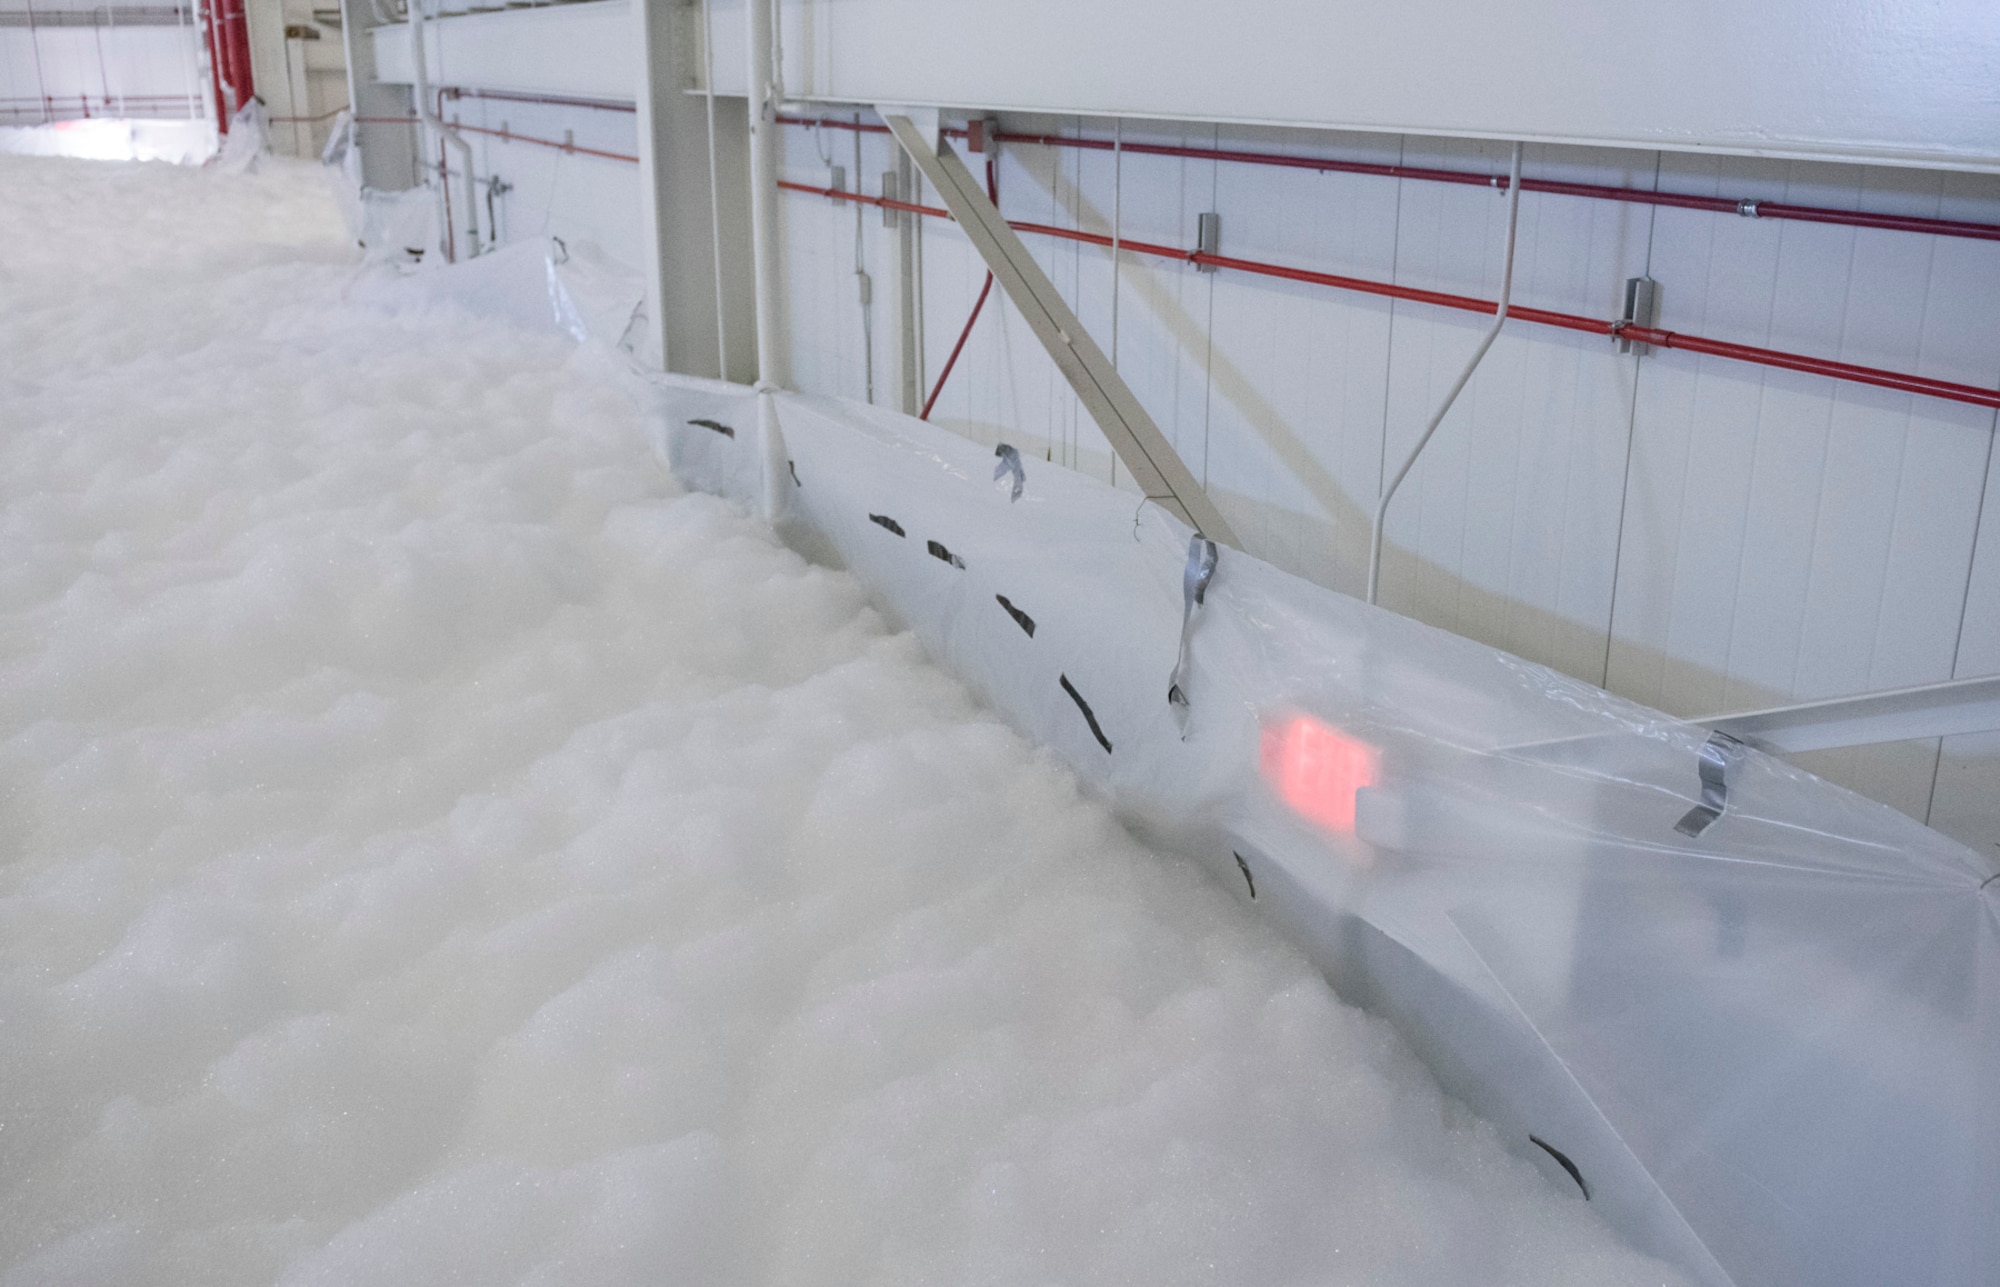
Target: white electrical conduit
{"points": [[420, 73], [714, 191], [863, 282], [772, 366], [1492, 333]]}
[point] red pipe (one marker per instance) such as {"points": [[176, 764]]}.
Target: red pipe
{"points": [[1593, 191], [215, 72], [511, 137], [234, 35], [309, 120], [552, 100], [993, 195], [1943, 389], [956, 349]]}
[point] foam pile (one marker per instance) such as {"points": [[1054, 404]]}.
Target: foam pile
{"points": [[433, 849]]}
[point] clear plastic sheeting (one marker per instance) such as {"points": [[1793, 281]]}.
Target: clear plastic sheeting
{"points": [[1768, 1052], [342, 162], [538, 283], [518, 283], [248, 140]]}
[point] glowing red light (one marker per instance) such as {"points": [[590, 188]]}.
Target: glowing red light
{"points": [[1316, 769]]}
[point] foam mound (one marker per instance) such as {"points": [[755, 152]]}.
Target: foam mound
{"points": [[434, 849]]}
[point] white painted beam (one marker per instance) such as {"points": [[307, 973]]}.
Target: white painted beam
{"points": [[1898, 715], [587, 50]]}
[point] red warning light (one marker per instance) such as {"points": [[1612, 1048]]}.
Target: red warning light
{"points": [[1316, 769]]}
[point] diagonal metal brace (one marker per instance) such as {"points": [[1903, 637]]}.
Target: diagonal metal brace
{"points": [[1140, 445]]}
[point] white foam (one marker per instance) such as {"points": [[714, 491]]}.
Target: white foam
{"points": [[437, 851]]}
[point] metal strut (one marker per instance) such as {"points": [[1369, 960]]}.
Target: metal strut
{"points": [[1140, 445]]}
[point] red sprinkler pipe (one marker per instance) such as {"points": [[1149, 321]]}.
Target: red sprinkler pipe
{"points": [[993, 195], [234, 33], [1946, 390], [956, 349], [550, 100], [505, 136], [215, 71], [509, 136], [1598, 192]]}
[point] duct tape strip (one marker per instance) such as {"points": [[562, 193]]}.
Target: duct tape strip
{"points": [[1088, 716], [716, 425], [1717, 754], [1200, 570], [939, 552], [1021, 618], [884, 521], [1248, 879], [1010, 463]]}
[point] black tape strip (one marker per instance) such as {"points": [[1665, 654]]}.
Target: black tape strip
{"points": [[1562, 1160], [716, 425], [1088, 717], [940, 552], [1021, 618], [793, 465], [1248, 879], [883, 520]]}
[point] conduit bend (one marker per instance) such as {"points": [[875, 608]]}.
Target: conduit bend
{"points": [[1478, 354]]}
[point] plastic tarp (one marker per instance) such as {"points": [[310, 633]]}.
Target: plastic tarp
{"points": [[520, 283], [1753, 1017], [248, 140], [537, 282]]}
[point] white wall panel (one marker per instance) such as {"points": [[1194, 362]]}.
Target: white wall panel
{"points": [[1506, 529], [154, 67], [1697, 533], [575, 196], [1966, 800], [1787, 537], [1891, 80], [1693, 532], [583, 49], [1298, 373]]}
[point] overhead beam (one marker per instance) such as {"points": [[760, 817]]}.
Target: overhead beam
{"points": [[1895, 715], [1141, 447]]}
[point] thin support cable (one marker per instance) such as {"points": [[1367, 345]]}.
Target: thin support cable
{"points": [[1117, 221], [1492, 333]]}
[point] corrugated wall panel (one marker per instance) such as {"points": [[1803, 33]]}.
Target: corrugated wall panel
{"points": [[1297, 373], [1966, 800], [1507, 528], [1695, 533]]}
